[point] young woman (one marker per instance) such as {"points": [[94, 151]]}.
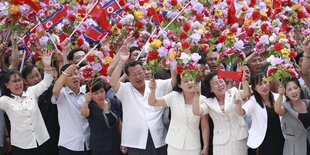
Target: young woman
{"points": [[265, 133], [103, 117], [28, 130], [183, 136], [295, 120], [230, 130]]}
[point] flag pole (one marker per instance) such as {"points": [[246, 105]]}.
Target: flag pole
{"points": [[176, 16], [23, 61], [146, 43], [29, 31], [7, 35], [92, 49], [83, 20]]}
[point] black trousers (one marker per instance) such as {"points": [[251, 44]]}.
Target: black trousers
{"points": [[65, 151], [35, 151], [150, 149]]}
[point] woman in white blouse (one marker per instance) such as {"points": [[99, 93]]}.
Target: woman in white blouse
{"points": [[183, 136], [230, 130], [28, 130]]}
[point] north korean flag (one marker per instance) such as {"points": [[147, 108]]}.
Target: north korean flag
{"points": [[51, 21], [95, 12], [27, 46], [157, 18], [111, 7], [93, 34]]}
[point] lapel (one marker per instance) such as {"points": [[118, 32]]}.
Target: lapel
{"points": [[291, 111], [214, 105], [182, 107]]}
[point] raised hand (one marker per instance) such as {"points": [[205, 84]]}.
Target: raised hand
{"points": [[106, 107], [152, 85], [196, 88], [70, 70], [88, 97], [46, 59], [281, 89], [66, 44]]}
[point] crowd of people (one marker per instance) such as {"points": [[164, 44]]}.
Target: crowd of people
{"points": [[52, 110]]}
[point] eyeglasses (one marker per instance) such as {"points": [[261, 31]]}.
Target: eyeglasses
{"points": [[212, 59]]}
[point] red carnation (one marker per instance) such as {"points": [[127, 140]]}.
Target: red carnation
{"points": [[80, 41], [104, 70], [199, 17], [221, 39], [152, 55], [186, 27], [264, 27], [180, 69], [174, 2], [250, 32], [183, 35], [308, 8], [278, 46], [301, 14], [90, 58], [186, 45], [139, 25], [293, 73], [72, 17], [16, 2], [119, 25], [255, 15], [271, 71], [292, 55], [233, 30]]}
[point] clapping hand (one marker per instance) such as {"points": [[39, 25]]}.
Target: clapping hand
{"points": [[306, 45]]}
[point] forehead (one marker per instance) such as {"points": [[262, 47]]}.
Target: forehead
{"points": [[135, 52], [135, 68], [291, 84], [79, 53], [15, 76]]}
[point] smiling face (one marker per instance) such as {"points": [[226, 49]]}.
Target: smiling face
{"points": [[15, 84], [186, 85], [292, 91], [262, 88], [136, 76], [33, 78], [218, 86]]}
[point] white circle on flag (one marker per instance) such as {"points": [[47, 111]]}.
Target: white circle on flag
{"points": [[110, 9], [49, 24]]}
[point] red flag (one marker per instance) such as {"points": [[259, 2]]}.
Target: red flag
{"points": [[95, 12], [231, 18], [51, 21], [93, 34], [157, 18], [103, 22], [62, 36], [276, 4], [237, 76], [33, 5], [111, 7]]}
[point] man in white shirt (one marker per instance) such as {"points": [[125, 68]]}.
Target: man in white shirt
{"points": [[143, 131], [74, 128]]}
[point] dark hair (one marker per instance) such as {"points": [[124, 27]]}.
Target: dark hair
{"points": [[95, 84], [5, 79], [292, 79], [72, 52], [298, 57], [207, 84], [202, 61], [176, 87], [64, 67], [134, 48], [256, 78], [27, 69], [131, 64]]}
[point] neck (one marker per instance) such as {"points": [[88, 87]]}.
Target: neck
{"points": [[265, 98], [188, 95], [296, 103], [220, 98], [141, 90]]}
